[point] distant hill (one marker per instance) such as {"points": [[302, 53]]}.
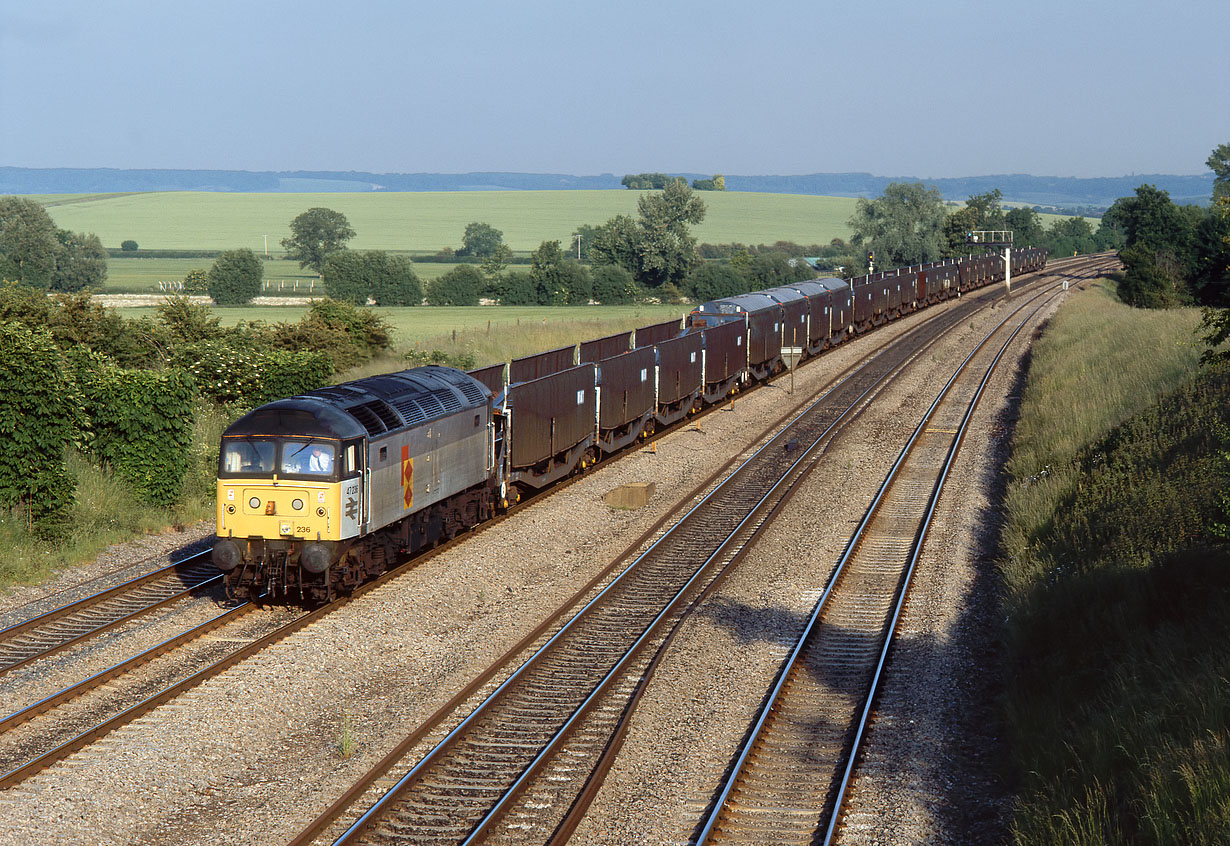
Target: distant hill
{"points": [[1055, 191]]}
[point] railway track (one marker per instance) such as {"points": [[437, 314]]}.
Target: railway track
{"points": [[510, 765], [788, 782], [75, 622]]}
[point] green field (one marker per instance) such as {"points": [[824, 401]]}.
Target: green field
{"points": [[453, 328], [425, 222]]}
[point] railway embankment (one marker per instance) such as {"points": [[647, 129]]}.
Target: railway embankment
{"points": [[1116, 570]]}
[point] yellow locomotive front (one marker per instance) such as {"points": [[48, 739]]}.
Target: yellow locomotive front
{"points": [[289, 504]]}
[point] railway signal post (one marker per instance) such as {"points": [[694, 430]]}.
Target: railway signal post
{"points": [[995, 238]]}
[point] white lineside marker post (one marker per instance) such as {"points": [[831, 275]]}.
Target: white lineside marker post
{"points": [[1008, 269]]}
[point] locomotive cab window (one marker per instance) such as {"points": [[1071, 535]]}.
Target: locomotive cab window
{"points": [[312, 459], [247, 456]]}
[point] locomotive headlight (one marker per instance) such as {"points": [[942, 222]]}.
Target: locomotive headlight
{"points": [[296, 504], [254, 502]]}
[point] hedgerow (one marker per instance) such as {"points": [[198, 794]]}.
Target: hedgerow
{"points": [[141, 423], [247, 378], [348, 334], [39, 416]]}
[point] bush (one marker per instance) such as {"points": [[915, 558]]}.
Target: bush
{"points": [[464, 360], [75, 320], [349, 335], [517, 289], [39, 416], [235, 278], [393, 280], [612, 284], [713, 281], [141, 422], [343, 278], [129, 246], [353, 277], [246, 378], [461, 286], [196, 282]]}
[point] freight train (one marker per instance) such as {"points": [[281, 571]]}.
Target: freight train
{"points": [[321, 492]]}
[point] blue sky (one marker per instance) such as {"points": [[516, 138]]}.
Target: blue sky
{"points": [[948, 88]]}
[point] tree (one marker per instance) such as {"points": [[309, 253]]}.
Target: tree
{"points": [[494, 264], [981, 212], [615, 242], [612, 284], [28, 243], [235, 277], [1026, 226], [1219, 163], [582, 239], [129, 246], [557, 279], [547, 273], [903, 226], [713, 281], [81, 262], [352, 277], [646, 181], [769, 270], [316, 234], [481, 240], [392, 279], [461, 286], [666, 251], [1159, 252], [1211, 279], [717, 183]]}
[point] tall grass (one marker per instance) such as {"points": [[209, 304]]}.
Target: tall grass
{"points": [[1118, 697], [1100, 363]]}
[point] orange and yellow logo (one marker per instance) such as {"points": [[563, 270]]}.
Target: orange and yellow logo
{"points": [[407, 477]]}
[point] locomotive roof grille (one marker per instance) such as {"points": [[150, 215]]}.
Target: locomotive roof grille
{"points": [[472, 392], [371, 422], [448, 400], [411, 411]]}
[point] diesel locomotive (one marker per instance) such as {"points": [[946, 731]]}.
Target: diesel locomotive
{"points": [[321, 492]]}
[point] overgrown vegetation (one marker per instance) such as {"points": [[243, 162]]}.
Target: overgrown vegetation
{"points": [[1116, 583], [102, 413]]}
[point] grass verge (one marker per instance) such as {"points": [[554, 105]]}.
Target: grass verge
{"points": [[1115, 589]]}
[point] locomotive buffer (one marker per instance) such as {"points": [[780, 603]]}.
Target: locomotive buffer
{"points": [[995, 238]]}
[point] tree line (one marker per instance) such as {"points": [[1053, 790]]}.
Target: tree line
{"points": [[34, 252]]}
